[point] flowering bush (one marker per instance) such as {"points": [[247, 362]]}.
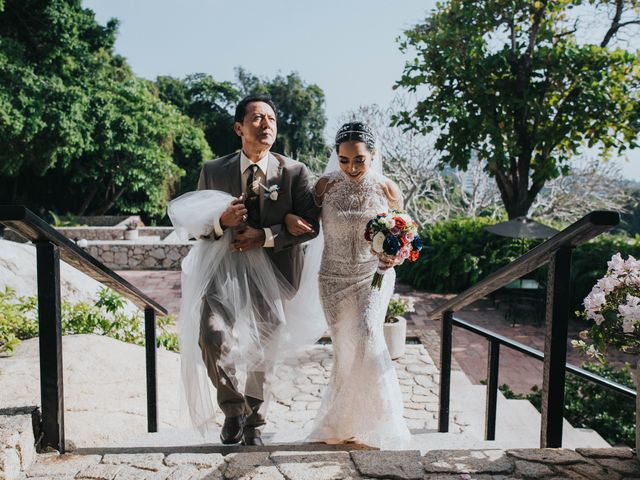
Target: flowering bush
{"points": [[393, 236], [397, 307], [614, 306]]}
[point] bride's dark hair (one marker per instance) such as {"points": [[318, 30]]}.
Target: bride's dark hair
{"points": [[357, 132]]}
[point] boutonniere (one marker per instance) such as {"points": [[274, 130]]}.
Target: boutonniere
{"points": [[271, 192]]}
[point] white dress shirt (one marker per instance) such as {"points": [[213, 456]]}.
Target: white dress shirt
{"points": [[261, 176]]}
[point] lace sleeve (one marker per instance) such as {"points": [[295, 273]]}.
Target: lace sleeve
{"points": [[322, 186]]}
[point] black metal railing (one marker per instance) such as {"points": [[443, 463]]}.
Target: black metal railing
{"points": [[557, 253], [495, 342], [51, 247]]}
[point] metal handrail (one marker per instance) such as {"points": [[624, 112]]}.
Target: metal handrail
{"points": [[51, 247], [556, 251], [590, 226], [33, 228], [538, 355]]}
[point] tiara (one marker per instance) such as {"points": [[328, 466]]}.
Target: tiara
{"points": [[363, 133]]}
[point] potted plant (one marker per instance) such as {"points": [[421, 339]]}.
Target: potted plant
{"points": [[131, 232], [614, 307], [395, 325]]}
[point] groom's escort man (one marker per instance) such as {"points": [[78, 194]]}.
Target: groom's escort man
{"points": [[267, 186]]}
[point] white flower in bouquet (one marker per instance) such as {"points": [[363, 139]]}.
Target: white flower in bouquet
{"points": [[377, 242]]}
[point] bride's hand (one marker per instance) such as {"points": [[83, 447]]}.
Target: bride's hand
{"points": [[297, 225], [387, 264]]}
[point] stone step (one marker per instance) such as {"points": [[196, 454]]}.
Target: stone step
{"points": [[338, 464], [517, 421]]}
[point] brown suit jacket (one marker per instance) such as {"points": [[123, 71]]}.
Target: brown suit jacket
{"points": [[295, 196]]}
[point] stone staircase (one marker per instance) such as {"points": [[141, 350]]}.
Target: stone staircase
{"points": [[175, 454]]}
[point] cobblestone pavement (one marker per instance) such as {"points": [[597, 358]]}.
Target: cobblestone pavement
{"points": [[583, 464], [301, 383]]}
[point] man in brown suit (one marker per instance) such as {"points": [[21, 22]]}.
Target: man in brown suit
{"points": [[257, 219]]}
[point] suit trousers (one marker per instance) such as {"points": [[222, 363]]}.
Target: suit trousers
{"points": [[231, 401]]}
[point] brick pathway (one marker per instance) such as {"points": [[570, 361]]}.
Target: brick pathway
{"points": [[470, 351], [163, 286]]}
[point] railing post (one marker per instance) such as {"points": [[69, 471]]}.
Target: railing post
{"points": [[152, 380], [555, 348], [50, 340], [493, 361], [445, 371]]}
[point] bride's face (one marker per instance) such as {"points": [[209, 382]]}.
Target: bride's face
{"points": [[354, 159]]}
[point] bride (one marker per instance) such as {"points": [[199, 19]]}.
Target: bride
{"points": [[363, 402]]}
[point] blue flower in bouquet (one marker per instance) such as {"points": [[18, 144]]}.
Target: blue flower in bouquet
{"points": [[391, 245], [417, 243]]}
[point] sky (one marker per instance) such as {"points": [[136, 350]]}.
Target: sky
{"points": [[347, 47]]}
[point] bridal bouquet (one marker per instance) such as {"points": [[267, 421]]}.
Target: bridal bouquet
{"points": [[614, 306], [393, 236]]}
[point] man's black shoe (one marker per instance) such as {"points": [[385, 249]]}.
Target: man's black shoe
{"points": [[232, 429], [251, 438]]}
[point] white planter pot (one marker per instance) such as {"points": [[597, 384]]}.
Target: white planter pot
{"points": [[395, 334], [131, 234]]}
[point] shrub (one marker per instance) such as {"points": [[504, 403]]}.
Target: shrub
{"points": [[19, 320], [457, 254]]}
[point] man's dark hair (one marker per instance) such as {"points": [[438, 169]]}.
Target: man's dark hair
{"points": [[241, 109]]}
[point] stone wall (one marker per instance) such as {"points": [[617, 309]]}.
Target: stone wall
{"points": [[111, 233], [97, 233], [125, 255]]}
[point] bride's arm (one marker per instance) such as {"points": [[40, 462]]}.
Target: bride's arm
{"points": [[322, 186], [393, 194]]}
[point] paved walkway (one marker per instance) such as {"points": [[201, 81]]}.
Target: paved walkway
{"points": [[470, 351]]}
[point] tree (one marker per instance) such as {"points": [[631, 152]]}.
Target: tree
{"points": [[209, 103], [80, 132], [49, 54], [589, 185], [511, 81]]}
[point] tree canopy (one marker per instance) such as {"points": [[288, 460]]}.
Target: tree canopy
{"points": [[521, 84], [80, 132], [211, 104]]}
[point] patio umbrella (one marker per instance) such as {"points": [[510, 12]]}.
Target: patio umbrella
{"points": [[521, 227]]}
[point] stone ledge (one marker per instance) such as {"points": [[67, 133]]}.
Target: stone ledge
{"points": [[17, 440], [273, 462]]}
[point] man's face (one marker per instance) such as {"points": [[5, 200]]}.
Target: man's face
{"points": [[258, 129]]}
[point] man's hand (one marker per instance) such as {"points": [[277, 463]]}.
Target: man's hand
{"points": [[234, 214], [248, 238], [297, 225]]}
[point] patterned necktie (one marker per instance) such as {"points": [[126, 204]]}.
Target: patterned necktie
{"points": [[252, 201]]}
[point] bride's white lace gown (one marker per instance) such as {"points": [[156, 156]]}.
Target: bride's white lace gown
{"points": [[363, 401]]}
